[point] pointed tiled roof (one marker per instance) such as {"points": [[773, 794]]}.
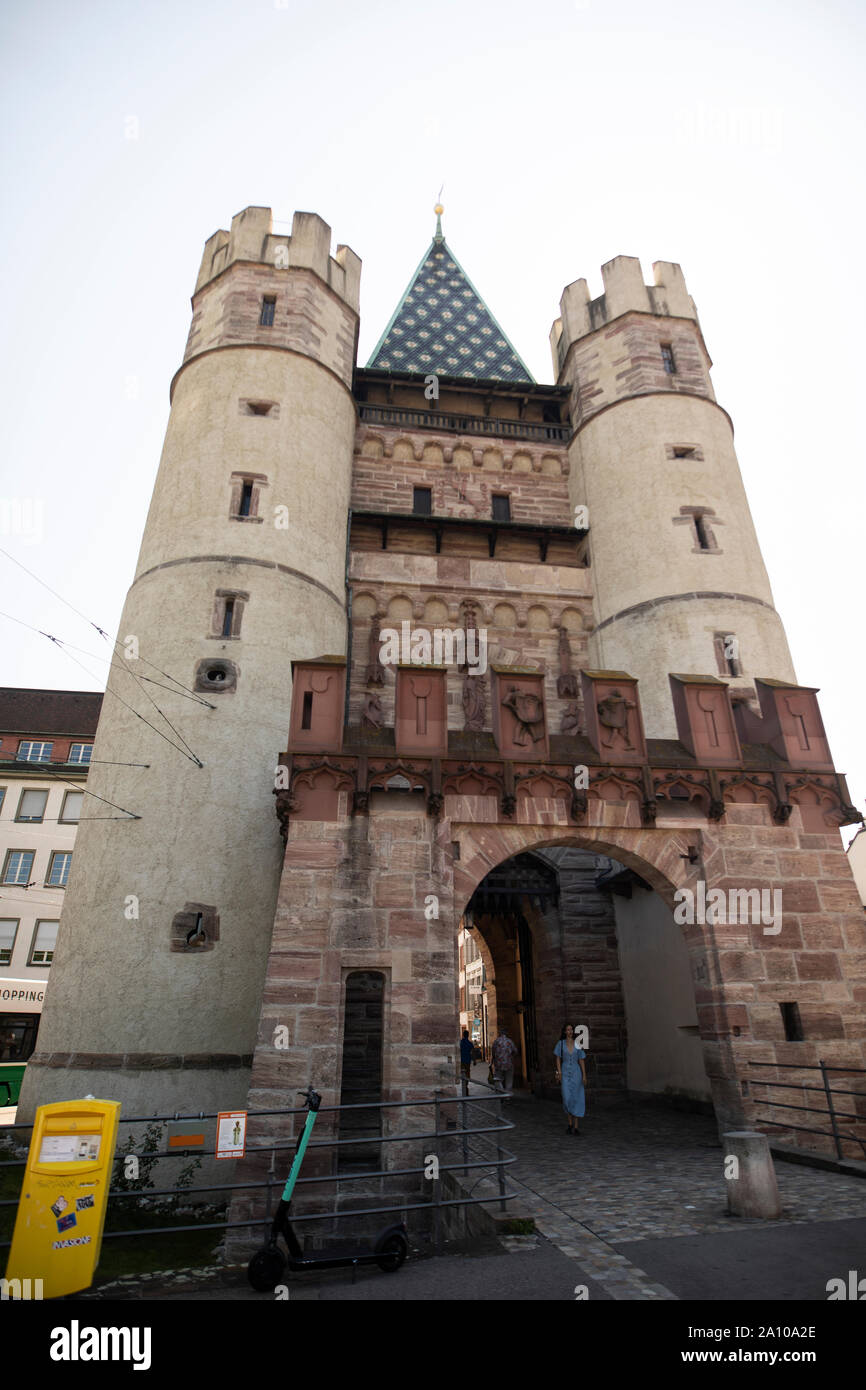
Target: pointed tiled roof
{"points": [[442, 325]]}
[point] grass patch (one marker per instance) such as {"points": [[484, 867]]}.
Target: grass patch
{"points": [[518, 1226]]}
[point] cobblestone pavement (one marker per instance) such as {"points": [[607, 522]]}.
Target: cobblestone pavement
{"points": [[640, 1171]]}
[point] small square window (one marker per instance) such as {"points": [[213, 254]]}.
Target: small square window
{"points": [[80, 753], [19, 866], [682, 451], [8, 932], [58, 871], [501, 506], [668, 362], [422, 501], [269, 304], [44, 943], [32, 805]]}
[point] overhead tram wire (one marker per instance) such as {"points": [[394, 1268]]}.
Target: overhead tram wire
{"points": [[103, 634], [188, 754]]}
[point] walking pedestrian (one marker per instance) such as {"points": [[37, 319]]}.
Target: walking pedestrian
{"points": [[504, 1053], [466, 1050], [571, 1072]]}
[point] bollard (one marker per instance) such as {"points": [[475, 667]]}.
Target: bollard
{"points": [[753, 1192]]}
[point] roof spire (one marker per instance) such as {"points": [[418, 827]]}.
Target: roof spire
{"points": [[439, 209]]}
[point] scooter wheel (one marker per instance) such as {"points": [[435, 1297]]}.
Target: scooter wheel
{"points": [[392, 1253], [265, 1269]]}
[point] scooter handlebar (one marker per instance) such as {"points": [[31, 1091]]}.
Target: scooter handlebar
{"points": [[312, 1098]]}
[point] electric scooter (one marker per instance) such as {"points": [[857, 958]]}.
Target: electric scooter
{"points": [[265, 1269]]}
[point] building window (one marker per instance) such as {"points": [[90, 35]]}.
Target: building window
{"points": [[422, 501], [668, 362], [80, 753], [307, 711], [18, 866], [34, 752], [58, 869], [501, 506], [269, 304], [792, 1022], [228, 613], [727, 649], [32, 806], [702, 532], [245, 496], [2, 797], [682, 452], [70, 813], [44, 943], [8, 932]]}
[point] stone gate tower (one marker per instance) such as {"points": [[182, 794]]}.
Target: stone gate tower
{"points": [[167, 918], [228, 946], [678, 579]]}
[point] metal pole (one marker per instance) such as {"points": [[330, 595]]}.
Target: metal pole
{"points": [[829, 1094], [437, 1183], [499, 1170], [464, 1124]]}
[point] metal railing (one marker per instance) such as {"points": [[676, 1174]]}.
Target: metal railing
{"points": [[444, 1132], [827, 1090], [464, 424]]}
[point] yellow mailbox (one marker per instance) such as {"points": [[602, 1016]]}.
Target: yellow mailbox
{"points": [[61, 1211]]}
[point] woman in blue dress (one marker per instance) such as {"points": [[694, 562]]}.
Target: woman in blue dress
{"points": [[571, 1071]]}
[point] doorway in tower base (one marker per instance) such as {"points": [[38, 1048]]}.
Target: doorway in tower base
{"points": [[567, 935]]}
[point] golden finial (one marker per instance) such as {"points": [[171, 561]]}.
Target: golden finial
{"points": [[439, 209]]}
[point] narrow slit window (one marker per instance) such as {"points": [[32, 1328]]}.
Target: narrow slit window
{"points": [[307, 711], [422, 501], [701, 532], [246, 501], [501, 506], [668, 362], [269, 304], [228, 617], [792, 1021]]}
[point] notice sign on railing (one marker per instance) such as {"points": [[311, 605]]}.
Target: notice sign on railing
{"points": [[231, 1135]]}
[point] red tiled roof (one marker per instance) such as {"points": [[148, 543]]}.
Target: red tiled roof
{"points": [[49, 711]]}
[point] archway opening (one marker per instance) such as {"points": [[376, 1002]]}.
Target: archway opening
{"points": [[562, 934]]}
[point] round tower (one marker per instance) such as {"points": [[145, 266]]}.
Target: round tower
{"points": [[678, 578], [156, 984]]}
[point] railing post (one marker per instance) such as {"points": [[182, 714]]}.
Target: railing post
{"points": [[829, 1094], [437, 1181], [499, 1158]]}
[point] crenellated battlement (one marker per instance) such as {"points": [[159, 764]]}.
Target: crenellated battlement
{"points": [[252, 239], [624, 292]]}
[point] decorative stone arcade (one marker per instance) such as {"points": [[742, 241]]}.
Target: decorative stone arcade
{"points": [[386, 848]]}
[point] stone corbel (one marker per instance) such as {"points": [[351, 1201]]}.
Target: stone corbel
{"points": [[649, 805], [782, 813], [717, 798], [509, 798]]}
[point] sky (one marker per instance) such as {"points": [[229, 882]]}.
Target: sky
{"points": [[726, 138]]}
